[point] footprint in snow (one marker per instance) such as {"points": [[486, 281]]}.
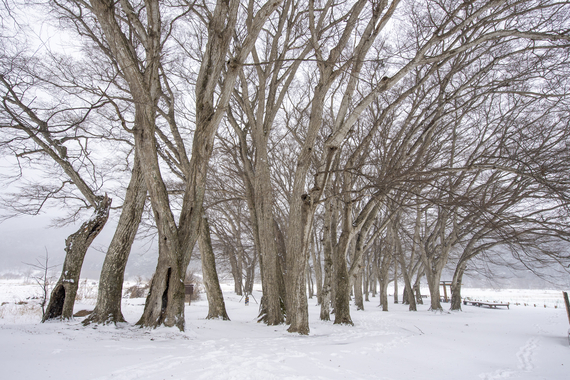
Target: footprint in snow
{"points": [[524, 355]]}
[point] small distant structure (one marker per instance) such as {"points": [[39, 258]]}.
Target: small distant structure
{"points": [[445, 284], [246, 296]]}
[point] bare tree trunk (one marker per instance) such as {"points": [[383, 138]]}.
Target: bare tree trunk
{"points": [[358, 296], [396, 281], [272, 313], [384, 278], [297, 252], [384, 294], [434, 278], [108, 307], [327, 259], [456, 286], [373, 277], [310, 283], [417, 289], [64, 292], [366, 280], [316, 257], [408, 290], [342, 280], [236, 272], [250, 278], [216, 305]]}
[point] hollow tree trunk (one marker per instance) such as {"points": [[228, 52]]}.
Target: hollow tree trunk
{"points": [[165, 301], [62, 297], [216, 305], [108, 307]]}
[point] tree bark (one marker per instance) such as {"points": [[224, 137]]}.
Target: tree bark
{"points": [[63, 295], [108, 307], [342, 279], [358, 296], [216, 305], [384, 278], [327, 263], [396, 279], [236, 271], [456, 286], [316, 257], [408, 290]]}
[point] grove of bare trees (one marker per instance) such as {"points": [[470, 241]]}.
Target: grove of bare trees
{"points": [[324, 148]]}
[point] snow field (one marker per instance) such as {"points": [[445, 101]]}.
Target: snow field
{"points": [[477, 343]]}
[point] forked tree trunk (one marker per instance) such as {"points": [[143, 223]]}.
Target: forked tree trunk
{"points": [[62, 298], [108, 307], [408, 292], [216, 305]]}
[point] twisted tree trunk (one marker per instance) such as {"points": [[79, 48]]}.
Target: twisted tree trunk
{"points": [[63, 295]]}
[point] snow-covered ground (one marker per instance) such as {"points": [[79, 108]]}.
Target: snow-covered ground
{"points": [[523, 342]]}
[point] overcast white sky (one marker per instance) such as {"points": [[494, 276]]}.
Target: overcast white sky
{"points": [[25, 239]]}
